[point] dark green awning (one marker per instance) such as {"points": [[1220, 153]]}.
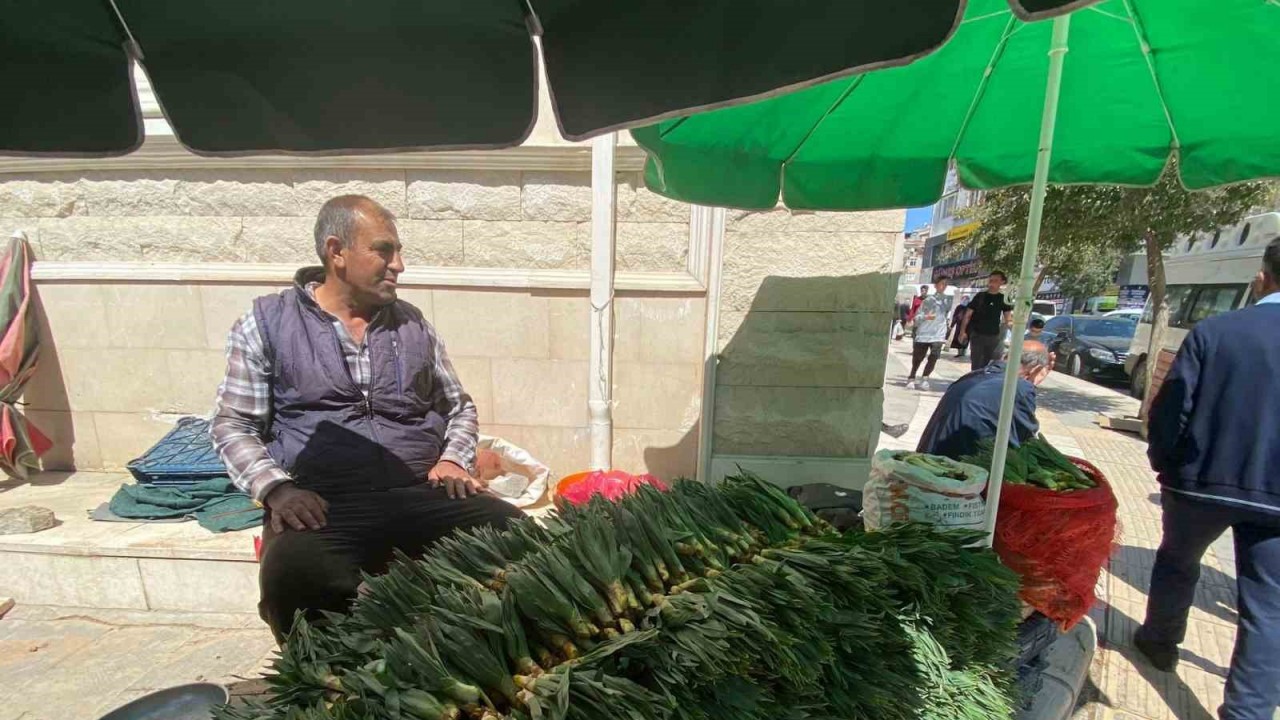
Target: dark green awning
{"points": [[330, 76]]}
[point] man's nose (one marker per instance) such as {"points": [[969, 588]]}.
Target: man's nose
{"points": [[397, 263]]}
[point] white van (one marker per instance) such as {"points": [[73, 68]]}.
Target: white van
{"points": [[1205, 275]]}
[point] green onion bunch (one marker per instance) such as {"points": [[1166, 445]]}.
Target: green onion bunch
{"points": [[727, 602]]}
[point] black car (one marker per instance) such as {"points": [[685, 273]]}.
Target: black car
{"points": [[1090, 345]]}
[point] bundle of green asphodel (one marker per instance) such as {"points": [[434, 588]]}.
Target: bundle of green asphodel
{"points": [[703, 603]]}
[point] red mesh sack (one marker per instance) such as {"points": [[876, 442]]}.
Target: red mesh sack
{"points": [[1057, 542]]}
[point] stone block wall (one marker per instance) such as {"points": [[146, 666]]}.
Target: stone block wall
{"points": [[804, 296], [122, 361], [473, 218], [803, 333]]}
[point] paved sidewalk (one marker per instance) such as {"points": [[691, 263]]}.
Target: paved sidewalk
{"points": [[78, 664], [1122, 685]]}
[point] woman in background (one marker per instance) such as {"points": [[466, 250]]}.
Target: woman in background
{"points": [[957, 318]]}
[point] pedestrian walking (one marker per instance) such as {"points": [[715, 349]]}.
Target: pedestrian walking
{"points": [[953, 332], [930, 333], [916, 302], [988, 316], [900, 312], [1214, 431]]}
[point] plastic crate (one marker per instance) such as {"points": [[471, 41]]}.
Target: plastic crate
{"points": [[184, 456]]}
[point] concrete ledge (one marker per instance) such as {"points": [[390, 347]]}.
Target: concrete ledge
{"points": [[126, 566], [73, 496], [788, 471]]}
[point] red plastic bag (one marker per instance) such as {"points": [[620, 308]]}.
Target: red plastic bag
{"points": [[1057, 542], [612, 484]]}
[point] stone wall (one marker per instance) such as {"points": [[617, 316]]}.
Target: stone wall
{"points": [[473, 218], [804, 330], [804, 296], [122, 361]]}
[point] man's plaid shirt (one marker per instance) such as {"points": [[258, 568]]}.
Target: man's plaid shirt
{"points": [[244, 404]]}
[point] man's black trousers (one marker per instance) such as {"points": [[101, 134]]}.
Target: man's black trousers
{"points": [[1190, 527], [316, 570]]}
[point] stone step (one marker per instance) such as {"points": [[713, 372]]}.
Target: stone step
{"points": [[128, 566]]}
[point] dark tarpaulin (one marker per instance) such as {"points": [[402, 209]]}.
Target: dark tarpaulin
{"points": [[331, 76]]}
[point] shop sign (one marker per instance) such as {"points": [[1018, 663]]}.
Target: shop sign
{"points": [[960, 272], [1132, 297], [960, 232]]}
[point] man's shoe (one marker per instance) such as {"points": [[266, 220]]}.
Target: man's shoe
{"points": [[911, 384], [925, 385], [1162, 656]]}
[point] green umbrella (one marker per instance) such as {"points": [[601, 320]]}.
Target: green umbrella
{"points": [[1144, 80], [325, 76]]}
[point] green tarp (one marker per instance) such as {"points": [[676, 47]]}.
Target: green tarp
{"points": [[216, 504]]}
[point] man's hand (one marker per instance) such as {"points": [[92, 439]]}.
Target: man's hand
{"points": [[297, 508], [456, 481]]}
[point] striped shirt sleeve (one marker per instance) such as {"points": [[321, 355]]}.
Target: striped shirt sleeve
{"points": [[243, 411], [448, 398]]}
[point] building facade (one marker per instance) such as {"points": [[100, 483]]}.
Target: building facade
{"points": [[946, 252], [913, 245]]}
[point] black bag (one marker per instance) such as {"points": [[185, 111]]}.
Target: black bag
{"points": [[837, 505]]}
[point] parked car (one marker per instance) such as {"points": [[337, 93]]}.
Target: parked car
{"points": [[1206, 275], [1044, 308], [1132, 313], [1088, 345]]}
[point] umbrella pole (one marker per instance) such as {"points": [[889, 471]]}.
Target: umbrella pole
{"points": [[1057, 51]]}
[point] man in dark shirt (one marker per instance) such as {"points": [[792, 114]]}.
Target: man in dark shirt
{"points": [[970, 409], [988, 317]]}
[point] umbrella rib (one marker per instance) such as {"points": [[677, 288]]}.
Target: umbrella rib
{"points": [[133, 47], [1141, 33], [1009, 28], [1113, 16], [847, 91], [663, 133]]}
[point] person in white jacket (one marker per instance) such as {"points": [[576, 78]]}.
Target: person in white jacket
{"points": [[930, 332]]}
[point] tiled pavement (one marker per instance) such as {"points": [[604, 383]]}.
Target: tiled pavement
{"points": [[77, 664], [1122, 685]]}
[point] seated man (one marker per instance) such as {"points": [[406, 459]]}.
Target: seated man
{"points": [[969, 410], [341, 413]]}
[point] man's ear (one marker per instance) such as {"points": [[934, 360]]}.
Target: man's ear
{"points": [[333, 252]]}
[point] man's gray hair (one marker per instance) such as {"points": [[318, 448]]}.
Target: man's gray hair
{"points": [[1034, 355], [338, 219]]}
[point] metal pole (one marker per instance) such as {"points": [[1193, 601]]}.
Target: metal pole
{"points": [[604, 201], [714, 218], [1057, 51]]}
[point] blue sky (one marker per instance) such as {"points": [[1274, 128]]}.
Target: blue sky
{"points": [[917, 217]]}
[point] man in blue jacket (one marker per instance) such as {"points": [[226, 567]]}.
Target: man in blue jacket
{"points": [[1215, 442], [969, 411]]}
